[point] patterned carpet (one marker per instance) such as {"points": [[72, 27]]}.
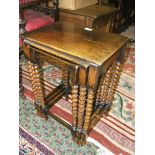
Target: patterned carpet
{"points": [[38, 136], [111, 135]]}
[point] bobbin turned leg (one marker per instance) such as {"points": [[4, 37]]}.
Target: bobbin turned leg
{"points": [[74, 99], [117, 68], [74, 94], [102, 93], [92, 81], [88, 114], [105, 86], [81, 104], [37, 88], [81, 110]]}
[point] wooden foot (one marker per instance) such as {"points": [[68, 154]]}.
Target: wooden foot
{"points": [[81, 140], [39, 113]]}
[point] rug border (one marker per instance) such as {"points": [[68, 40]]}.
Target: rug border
{"points": [[36, 142]]}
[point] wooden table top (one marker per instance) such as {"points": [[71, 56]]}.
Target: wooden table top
{"points": [[94, 11], [76, 44]]}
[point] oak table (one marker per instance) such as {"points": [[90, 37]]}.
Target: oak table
{"points": [[91, 62], [93, 17]]}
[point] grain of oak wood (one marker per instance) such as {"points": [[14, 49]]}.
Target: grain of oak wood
{"points": [[72, 42]]}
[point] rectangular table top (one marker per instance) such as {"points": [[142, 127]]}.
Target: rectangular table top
{"points": [[76, 44], [94, 11]]}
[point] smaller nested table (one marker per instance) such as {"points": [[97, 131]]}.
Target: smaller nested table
{"points": [[91, 62], [94, 17]]}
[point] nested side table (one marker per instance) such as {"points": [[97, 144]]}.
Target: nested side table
{"points": [[91, 62], [93, 17]]}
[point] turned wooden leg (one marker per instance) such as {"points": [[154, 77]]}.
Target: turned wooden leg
{"points": [[87, 81], [81, 110], [74, 94], [116, 76], [74, 99], [92, 80], [81, 107], [86, 119], [37, 87], [102, 97], [81, 104], [65, 80], [89, 109], [105, 85]]}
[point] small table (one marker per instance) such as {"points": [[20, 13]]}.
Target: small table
{"points": [[91, 62], [93, 17]]}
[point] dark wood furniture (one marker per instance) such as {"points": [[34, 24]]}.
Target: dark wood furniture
{"points": [[91, 62], [125, 15], [93, 17]]}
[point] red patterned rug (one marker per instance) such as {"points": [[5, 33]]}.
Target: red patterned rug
{"points": [[115, 132]]}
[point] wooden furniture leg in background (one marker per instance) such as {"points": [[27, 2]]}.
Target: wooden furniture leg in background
{"points": [[117, 68], [65, 81]]}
